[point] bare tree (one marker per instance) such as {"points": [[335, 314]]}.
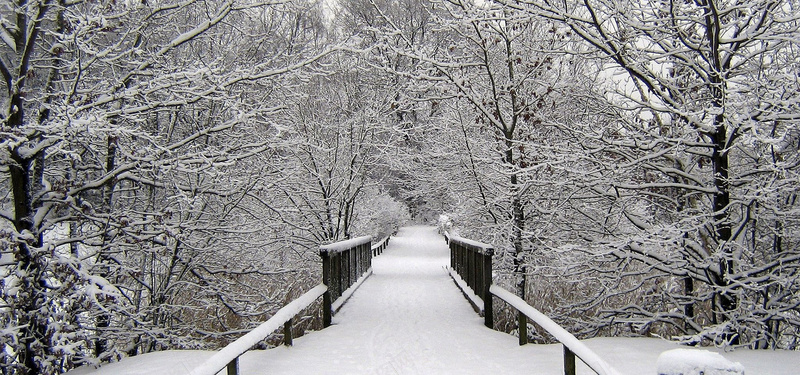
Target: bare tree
{"points": [[688, 120]]}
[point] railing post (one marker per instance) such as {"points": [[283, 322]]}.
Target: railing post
{"points": [[326, 297], [233, 367], [462, 261], [468, 267], [569, 361], [343, 273], [351, 268], [522, 328], [486, 275], [357, 262], [451, 245], [366, 254], [287, 332]]}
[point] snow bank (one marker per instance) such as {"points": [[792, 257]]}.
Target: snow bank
{"points": [[221, 359], [576, 346], [344, 245], [696, 362]]}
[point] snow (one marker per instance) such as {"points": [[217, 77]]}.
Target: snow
{"points": [[171, 362], [581, 350], [409, 318], [344, 245], [480, 246], [696, 362]]}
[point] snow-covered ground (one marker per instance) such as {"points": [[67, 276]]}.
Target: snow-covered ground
{"points": [[409, 318]]}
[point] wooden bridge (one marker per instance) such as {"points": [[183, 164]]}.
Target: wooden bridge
{"points": [[406, 316]]}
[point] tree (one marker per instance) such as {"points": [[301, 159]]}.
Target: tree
{"points": [[127, 151], [688, 121]]}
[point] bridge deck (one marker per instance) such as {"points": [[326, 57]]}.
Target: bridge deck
{"points": [[407, 318]]}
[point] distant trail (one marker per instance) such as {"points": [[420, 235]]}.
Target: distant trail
{"points": [[407, 318]]}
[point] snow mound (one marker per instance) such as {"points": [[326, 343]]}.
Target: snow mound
{"points": [[696, 362]]}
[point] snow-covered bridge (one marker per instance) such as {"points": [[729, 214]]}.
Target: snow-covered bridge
{"points": [[408, 317]]}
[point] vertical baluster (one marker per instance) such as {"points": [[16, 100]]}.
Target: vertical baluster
{"points": [[479, 260], [522, 328], [233, 367], [461, 261], [326, 297], [457, 258], [488, 309], [569, 361], [366, 256], [340, 269], [343, 272], [357, 263], [352, 257], [287, 332], [452, 255], [468, 266]]}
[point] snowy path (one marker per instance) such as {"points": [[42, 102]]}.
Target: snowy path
{"points": [[407, 318]]}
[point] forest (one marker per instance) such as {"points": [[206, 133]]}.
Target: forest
{"points": [[169, 168]]}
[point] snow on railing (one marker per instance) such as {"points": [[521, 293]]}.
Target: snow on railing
{"points": [[345, 245], [471, 269], [345, 265], [378, 248], [572, 346], [228, 357]]}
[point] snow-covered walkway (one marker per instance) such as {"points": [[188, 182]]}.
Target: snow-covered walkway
{"points": [[407, 318]]}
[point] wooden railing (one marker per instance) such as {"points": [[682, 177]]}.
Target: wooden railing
{"points": [[471, 265], [228, 357], [378, 248], [345, 265], [472, 261]]}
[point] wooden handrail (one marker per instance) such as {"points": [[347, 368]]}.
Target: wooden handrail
{"points": [[228, 357], [378, 248], [572, 346], [471, 268], [345, 264]]}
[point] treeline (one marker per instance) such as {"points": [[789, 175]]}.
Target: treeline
{"points": [[169, 168], [636, 162]]}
